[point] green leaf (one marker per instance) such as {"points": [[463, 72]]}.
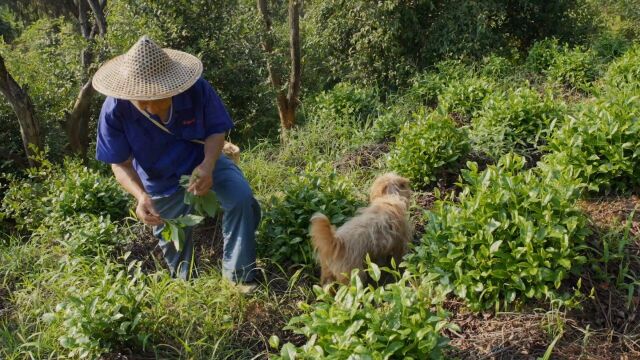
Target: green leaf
{"points": [[210, 203], [375, 272], [274, 341], [189, 220], [288, 351], [495, 247]]}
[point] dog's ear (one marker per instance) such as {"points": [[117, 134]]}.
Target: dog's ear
{"points": [[378, 188]]}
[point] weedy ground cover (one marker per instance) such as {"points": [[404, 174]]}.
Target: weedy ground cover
{"points": [[512, 236]]}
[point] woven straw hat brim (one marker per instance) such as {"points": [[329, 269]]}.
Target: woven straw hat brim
{"points": [[112, 80]]}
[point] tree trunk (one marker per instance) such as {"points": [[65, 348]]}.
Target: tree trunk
{"points": [[23, 107], [294, 45], [287, 100], [77, 124], [98, 14]]}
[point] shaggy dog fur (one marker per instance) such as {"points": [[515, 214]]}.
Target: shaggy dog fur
{"points": [[232, 151], [381, 230]]}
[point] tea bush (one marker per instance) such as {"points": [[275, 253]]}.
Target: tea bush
{"points": [[542, 55], [284, 230], [426, 87], [514, 120], [465, 96], [388, 124], [601, 142], [512, 234], [53, 191], [423, 92], [625, 71], [427, 146], [345, 100], [106, 314], [610, 45], [401, 320], [85, 234], [575, 68]]}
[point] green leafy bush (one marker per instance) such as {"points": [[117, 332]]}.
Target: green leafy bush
{"points": [[625, 71], [426, 146], [284, 230], [542, 55], [497, 67], [575, 68], [107, 314], [513, 121], [85, 234], [610, 45], [426, 87], [388, 124], [401, 320], [53, 192], [512, 234], [345, 100], [465, 96], [423, 92], [601, 143]]}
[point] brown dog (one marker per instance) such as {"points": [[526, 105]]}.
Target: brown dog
{"points": [[381, 230], [232, 151]]}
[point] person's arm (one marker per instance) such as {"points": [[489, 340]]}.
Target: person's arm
{"points": [[128, 178], [212, 148]]}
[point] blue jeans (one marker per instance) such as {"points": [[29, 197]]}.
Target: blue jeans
{"points": [[239, 223]]}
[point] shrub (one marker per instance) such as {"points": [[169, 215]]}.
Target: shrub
{"points": [[511, 234], [513, 120], [345, 100], [497, 67], [625, 71], [284, 230], [55, 192], [104, 315], [388, 124], [397, 321], [609, 46], [85, 234], [465, 96], [542, 55], [426, 87], [601, 143], [427, 146], [575, 68]]}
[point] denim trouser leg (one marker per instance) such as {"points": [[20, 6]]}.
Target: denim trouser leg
{"points": [[239, 223]]}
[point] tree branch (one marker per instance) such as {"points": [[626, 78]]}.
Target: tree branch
{"points": [[267, 45], [294, 39], [23, 107], [98, 14]]}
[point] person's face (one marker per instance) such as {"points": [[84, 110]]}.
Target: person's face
{"points": [[156, 107]]}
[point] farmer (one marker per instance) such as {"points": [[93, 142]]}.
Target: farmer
{"points": [[161, 121]]}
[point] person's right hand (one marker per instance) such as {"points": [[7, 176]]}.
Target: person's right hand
{"points": [[146, 212]]}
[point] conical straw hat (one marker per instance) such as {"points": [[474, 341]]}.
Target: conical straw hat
{"points": [[147, 72]]}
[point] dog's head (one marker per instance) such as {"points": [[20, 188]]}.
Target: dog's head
{"points": [[390, 184]]}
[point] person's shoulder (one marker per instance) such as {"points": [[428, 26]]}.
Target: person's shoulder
{"points": [[203, 87], [112, 108]]}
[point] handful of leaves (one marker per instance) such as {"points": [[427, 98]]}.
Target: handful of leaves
{"points": [[204, 205]]}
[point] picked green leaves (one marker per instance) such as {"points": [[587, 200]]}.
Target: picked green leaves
{"points": [[201, 206]]}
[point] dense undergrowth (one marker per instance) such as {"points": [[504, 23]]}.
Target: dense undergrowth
{"points": [[510, 146]]}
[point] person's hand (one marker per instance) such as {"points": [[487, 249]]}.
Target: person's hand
{"points": [[147, 212], [201, 180]]}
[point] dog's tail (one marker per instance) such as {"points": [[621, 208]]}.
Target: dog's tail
{"points": [[323, 236]]}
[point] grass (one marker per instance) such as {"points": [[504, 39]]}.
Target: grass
{"points": [[208, 318]]}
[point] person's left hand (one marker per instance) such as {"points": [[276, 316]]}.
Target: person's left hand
{"points": [[201, 180]]}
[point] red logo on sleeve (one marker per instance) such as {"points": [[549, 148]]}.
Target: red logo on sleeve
{"points": [[189, 122]]}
